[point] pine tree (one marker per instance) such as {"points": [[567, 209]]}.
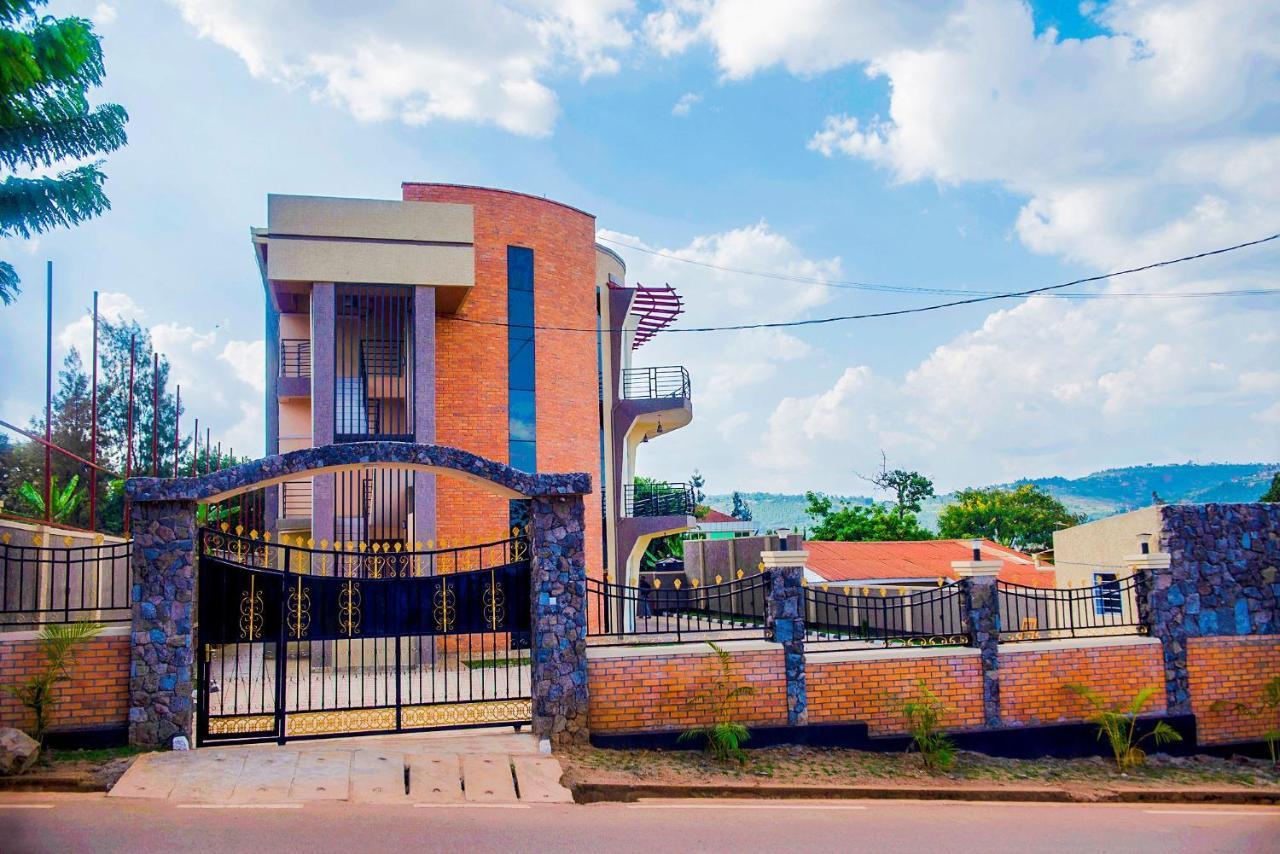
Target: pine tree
{"points": [[47, 66]]}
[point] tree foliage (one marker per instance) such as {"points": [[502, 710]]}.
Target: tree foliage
{"points": [[909, 488], [58, 644], [47, 67], [1023, 518], [1273, 492], [740, 508], [696, 483], [855, 523]]}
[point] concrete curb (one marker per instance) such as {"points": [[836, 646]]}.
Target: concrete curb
{"points": [[587, 793]]}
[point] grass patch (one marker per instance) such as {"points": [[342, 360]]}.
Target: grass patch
{"points": [[95, 755]]}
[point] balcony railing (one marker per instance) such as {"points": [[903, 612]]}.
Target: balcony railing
{"points": [[658, 499], [295, 357], [652, 383]]}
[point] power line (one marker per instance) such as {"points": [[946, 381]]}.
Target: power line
{"points": [[780, 324], [887, 288]]}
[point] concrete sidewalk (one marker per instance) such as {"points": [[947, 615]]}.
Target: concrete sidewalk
{"points": [[432, 768]]}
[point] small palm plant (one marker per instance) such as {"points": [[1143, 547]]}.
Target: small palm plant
{"points": [[1118, 722], [65, 501], [724, 735], [58, 644], [1269, 705], [924, 715]]}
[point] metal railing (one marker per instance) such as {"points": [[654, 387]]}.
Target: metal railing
{"points": [[295, 499], [649, 383], [672, 611], [295, 357], [933, 617], [379, 559], [1035, 613], [657, 499], [64, 584]]}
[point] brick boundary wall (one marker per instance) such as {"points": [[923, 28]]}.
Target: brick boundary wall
{"points": [[1233, 670], [871, 686], [97, 696], [631, 690], [1033, 678]]}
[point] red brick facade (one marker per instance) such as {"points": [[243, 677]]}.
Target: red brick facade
{"points": [[654, 691], [1231, 670], [98, 694], [873, 690], [471, 359], [1032, 683]]}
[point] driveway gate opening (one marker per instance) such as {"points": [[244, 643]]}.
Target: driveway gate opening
{"points": [[301, 642]]}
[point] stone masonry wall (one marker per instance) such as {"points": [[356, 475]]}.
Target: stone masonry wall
{"points": [[1033, 679], [96, 696], [1222, 580], [654, 692], [558, 588], [871, 687], [1231, 670]]}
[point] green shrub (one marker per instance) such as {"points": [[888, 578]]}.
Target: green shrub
{"points": [[1118, 723], [924, 714], [58, 643], [1269, 704], [724, 735]]}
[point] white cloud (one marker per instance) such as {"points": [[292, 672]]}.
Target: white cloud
{"points": [[111, 306], [685, 104], [482, 61], [248, 360], [104, 14]]}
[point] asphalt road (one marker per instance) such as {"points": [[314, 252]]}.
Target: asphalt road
{"points": [[40, 822]]}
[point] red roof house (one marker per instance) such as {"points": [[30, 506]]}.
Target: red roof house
{"points": [[915, 561]]}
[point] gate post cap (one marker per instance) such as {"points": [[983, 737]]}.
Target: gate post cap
{"points": [[1151, 560], [778, 560], [976, 568]]}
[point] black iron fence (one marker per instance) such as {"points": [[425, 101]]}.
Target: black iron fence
{"points": [[932, 617], [349, 559], [1107, 608], [295, 357], [63, 583], [657, 499], [663, 611], [650, 383]]}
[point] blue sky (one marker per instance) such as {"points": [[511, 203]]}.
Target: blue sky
{"points": [[982, 145]]}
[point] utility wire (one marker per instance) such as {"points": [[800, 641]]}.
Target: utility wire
{"points": [[887, 288], [780, 324]]}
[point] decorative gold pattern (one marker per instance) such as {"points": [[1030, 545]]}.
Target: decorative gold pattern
{"points": [[934, 640], [446, 605], [242, 724], [251, 608], [454, 714], [298, 618], [495, 603], [353, 720], [349, 609]]}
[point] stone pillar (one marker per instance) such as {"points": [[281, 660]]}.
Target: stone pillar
{"points": [[981, 603], [323, 392], [424, 408], [785, 620], [1155, 593], [559, 588], [161, 676]]}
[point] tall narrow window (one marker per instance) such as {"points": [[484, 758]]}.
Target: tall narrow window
{"points": [[522, 409]]}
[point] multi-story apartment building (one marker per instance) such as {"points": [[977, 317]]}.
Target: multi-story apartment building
{"points": [[482, 319]]}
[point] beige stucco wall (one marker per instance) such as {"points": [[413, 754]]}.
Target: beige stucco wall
{"points": [[1102, 545], [295, 326], [375, 218]]}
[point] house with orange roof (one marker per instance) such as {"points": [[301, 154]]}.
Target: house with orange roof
{"points": [[914, 563]]}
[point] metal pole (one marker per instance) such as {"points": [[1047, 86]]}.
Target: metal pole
{"points": [[177, 421], [48, 393], [93, 425], [128, 454], [155, 416], [195, 447], [207, 449]]}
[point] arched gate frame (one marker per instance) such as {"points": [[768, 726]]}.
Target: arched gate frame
{"points": [[181, 573]]}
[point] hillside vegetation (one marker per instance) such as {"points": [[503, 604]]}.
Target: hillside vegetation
{"points": [[1102, 493]]}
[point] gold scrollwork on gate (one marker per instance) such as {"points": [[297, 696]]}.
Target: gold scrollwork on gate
{"points": [[495, 602], [349, 609], [446, 602], [298, 618], [251, 609]]}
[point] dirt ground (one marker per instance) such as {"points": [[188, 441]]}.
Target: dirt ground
{"points": [[98, 769], [807, 766]]}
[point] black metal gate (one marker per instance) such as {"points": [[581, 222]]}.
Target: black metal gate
{"points": [[301, 642]]}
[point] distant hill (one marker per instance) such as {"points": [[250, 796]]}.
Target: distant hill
{"points": [[1102, 493]]}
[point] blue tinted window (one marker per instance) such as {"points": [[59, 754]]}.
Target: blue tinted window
{"points": [[522, 419], [523, 456], [521, 381]]}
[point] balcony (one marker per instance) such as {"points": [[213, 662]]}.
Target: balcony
{"points": [[655, 383], [648, 500], [295, 368]]}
